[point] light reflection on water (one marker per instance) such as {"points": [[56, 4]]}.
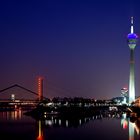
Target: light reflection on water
{"points": [[90, 127], [133, 126], [40, 131]]}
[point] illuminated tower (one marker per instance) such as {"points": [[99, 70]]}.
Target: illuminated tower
{"points": [[132, 40], [40, 88]]}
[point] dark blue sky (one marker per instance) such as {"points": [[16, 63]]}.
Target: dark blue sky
{"points": [[78, 46]]}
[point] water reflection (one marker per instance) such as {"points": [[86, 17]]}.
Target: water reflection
{"points": [[131, 131], [56, 122], [137, 126], [133, 126], [50, 122], [12, 115], [59, 121], [124, 121], [40, 131]]}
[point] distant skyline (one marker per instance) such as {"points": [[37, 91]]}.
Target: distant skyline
{"points": [[78, 46]]}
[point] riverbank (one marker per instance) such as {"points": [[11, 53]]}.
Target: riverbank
{"points": [[73, 111]]}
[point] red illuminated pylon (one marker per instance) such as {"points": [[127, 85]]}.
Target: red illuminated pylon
{"points": [[40, 88]]}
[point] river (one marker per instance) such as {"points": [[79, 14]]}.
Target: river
{"points": [[14, 125]]}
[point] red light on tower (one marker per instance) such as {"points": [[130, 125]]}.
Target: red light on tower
{"points": [[40, 88]]}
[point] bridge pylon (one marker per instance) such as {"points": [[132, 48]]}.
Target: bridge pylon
{"points": [[40, 88]]}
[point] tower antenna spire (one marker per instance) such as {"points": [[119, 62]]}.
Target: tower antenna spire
{"points": [[132, 28]]}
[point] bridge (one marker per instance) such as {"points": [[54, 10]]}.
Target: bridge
{"points": [[19, 86], [24, 103], [38, 96]]}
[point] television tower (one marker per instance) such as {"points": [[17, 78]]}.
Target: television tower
{"points": [[132, 40]]}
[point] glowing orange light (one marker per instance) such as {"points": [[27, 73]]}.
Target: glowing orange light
{"points": [[40, 138]]}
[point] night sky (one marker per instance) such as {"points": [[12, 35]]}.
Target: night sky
{"points": [[78, 46]]}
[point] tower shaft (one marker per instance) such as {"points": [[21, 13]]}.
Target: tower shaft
{"points": [[132, 77]]}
